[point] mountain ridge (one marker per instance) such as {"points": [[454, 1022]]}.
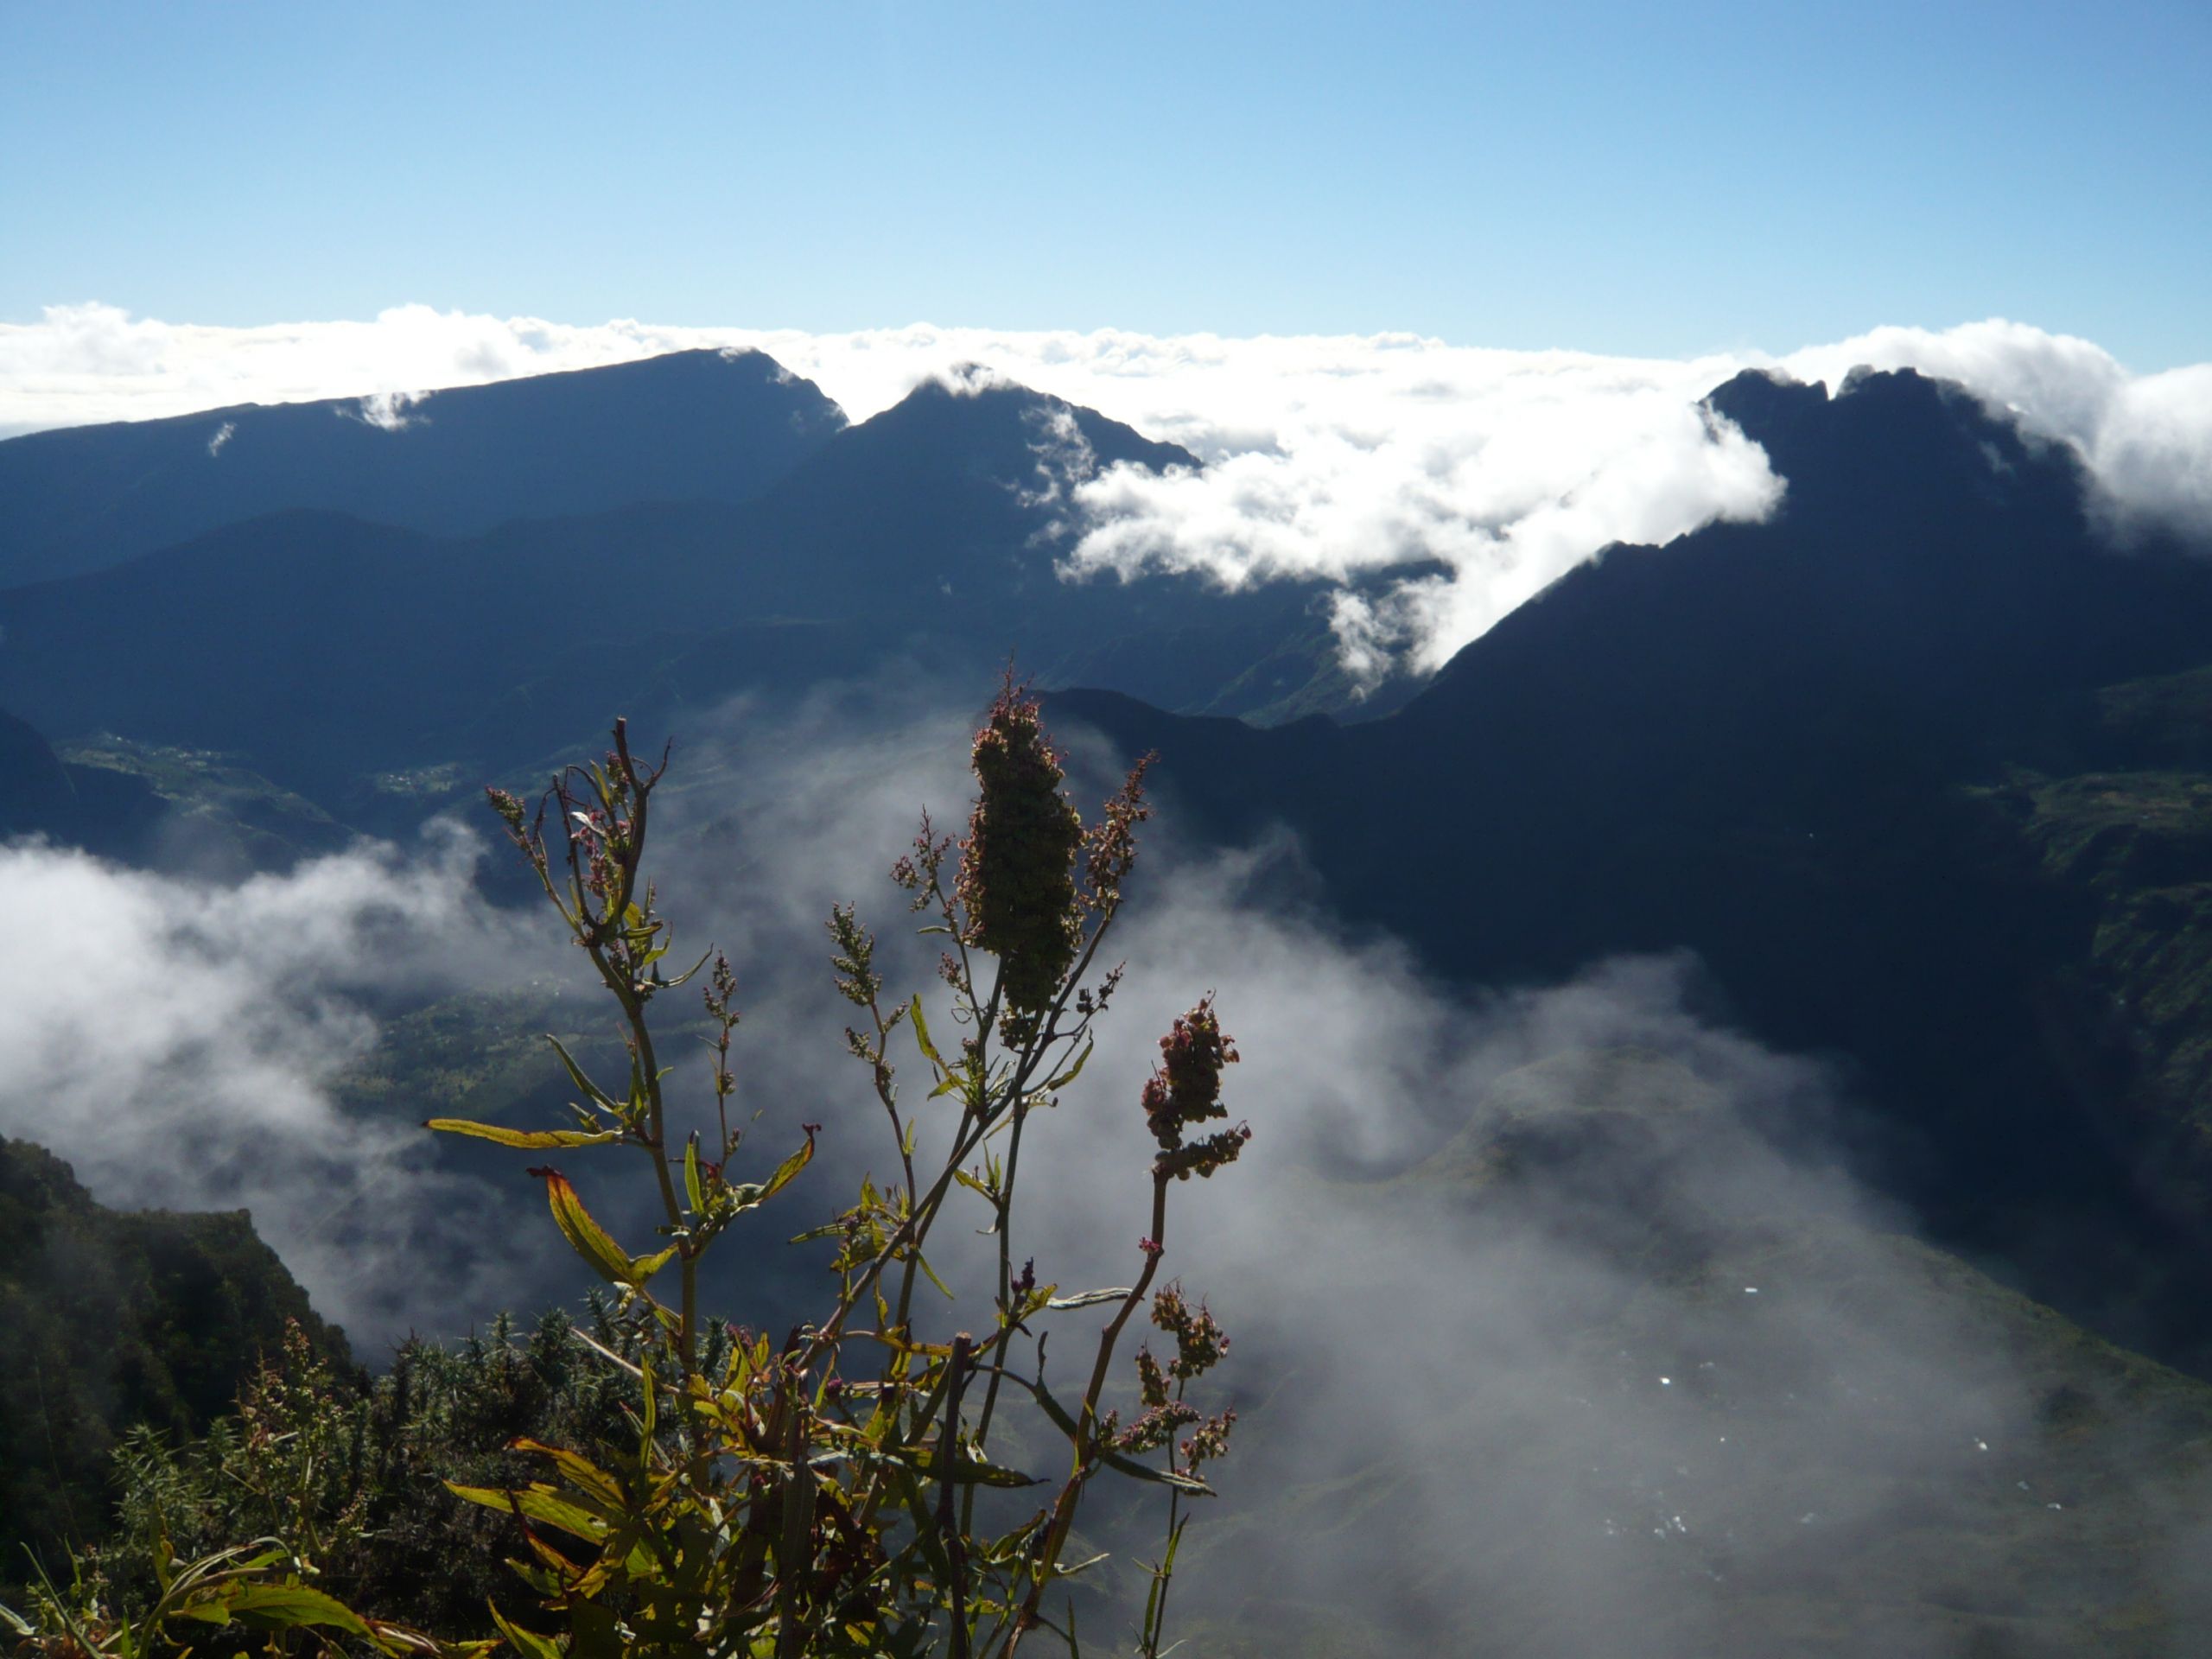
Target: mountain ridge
{"points": [[1762, 743], [319, 645], [702, 424]]}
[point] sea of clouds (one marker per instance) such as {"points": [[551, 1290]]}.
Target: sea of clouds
{"points": [[1327, 456]]}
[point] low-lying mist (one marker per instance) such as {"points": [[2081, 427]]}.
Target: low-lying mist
{"points": [[176, 1039], [1558, 1325]]}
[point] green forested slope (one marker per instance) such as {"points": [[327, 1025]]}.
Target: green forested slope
{"points": [[109, 1319]]}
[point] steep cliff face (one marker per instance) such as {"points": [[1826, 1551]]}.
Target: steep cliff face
{"points": [[110, 1319]]}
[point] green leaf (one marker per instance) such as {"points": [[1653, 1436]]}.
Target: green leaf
{"points": [[691, 1190], [970, 1473], [1046, 1404], [670, 985], [260, 1605], [925, 1350], [926, 1538], [1073, 1072], [584, 1475], [974, 1185], [1088, 1299], [592, 1091], [1114, 1461], [536, 1503], [1145, 1472], [785, 1173], [528, 1140], [929, 1272], [922, 1036], [643, 1268], [605, 1257], [528, 1642]]}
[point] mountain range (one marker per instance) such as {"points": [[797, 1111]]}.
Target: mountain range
{"points": [[1918, 769], [327, 650]]}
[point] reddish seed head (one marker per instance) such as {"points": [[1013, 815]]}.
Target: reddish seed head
{"points": [[1185, 1091]]}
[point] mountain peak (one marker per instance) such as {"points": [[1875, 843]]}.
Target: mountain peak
{"points": [[1891, 442], [975, 405]]}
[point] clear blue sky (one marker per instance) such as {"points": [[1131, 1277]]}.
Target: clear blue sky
{"points": [[1645, 178]]}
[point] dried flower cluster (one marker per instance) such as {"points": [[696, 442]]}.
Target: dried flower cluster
{"points": [[1201, 1344], [1017, 868], [1185, 1091]]}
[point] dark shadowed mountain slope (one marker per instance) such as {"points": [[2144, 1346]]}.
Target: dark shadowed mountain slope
{"points": [[100, 809], [945, 519], [35, 792], [690, 426], [321, 650], [110, 1319], [1771, 744]]}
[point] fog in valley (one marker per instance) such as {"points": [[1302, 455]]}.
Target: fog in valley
{"points": [[1559, 1320]]}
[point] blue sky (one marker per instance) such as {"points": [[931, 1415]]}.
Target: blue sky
{"points": [[1615, 178]]}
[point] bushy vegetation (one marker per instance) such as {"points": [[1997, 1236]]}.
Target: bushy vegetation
{"points": [[663, 1480], [349, 1475]]}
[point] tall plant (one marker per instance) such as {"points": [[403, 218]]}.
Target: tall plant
{"points": [[824, 1493]]}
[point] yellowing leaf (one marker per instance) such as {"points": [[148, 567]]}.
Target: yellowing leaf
{"points": [[528, 1642], [605, 1257], [528, 1140], [264, 1605], [536, 1503]]}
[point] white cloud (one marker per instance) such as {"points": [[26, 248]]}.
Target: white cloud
{"points": [[1324, 456], [1510, 467], [2147, 438], [176, 1041]]}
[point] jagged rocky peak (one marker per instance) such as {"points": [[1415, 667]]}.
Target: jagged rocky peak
{"points": [[1897, 440]]}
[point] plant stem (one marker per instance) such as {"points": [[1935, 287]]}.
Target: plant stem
{"points": [[1063, 1519], [952, 1536]]}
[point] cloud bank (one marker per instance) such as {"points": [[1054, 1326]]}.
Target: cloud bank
{"points": [[1324, 456], [176, 1041]]}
